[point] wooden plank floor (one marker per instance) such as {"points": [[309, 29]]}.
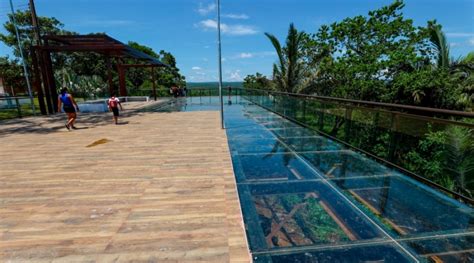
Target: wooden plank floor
{"points": [[159, 189]]}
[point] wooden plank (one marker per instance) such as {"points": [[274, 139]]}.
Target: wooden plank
{"points": [[160, 188]]}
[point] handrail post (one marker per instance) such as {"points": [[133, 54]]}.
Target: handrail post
{"points": [[348, 125], [394, 123], [321, 117], [18, 107], [304, 110]]}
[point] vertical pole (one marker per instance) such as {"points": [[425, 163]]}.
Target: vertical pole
{"points": [[153, 81], [44, 76], [37, 80], [304, 110], [35, 23], [393, 137], [123, 88], [348, 124], [18, 107], [25, 70], [220, 60], [48, 69]]}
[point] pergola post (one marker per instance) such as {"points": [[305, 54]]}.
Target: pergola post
{"points": [[109, 75], [48, 68], [153, 81], [47, 93], [122, 86], [37, 81]]}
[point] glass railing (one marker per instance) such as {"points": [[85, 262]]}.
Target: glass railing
{"points": [[434, 146], [16, 107]]}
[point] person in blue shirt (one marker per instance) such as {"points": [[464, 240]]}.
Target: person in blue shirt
{"points": [[69, 107]]}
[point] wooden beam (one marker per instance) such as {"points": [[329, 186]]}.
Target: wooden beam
{"points": [[122, 84]]}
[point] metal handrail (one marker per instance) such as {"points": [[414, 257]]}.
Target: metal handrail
{"points": [[373, 103]]}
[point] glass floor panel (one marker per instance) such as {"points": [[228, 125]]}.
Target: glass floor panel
{"points": [[369, 254], [345, 164], [317, 201], [307, 144], [257, 145], [407, 208], [303, 214], [270, 167], [444, 248], [293, 132]]}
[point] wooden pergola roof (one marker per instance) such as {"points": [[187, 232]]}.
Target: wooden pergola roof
{"points": [[102, 43], [98, 43]]}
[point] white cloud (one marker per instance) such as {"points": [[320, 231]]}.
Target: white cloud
{"points": [[471, 41], [196, 68], [106, 23], [454, 44], [235, 30], [245, 55], [236, 16], [459, 34], [235, 76], [204, 10]]}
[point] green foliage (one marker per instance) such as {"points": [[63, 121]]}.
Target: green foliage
{"points": [[257, 81], [86, 70], [49, 26], [440, 45], [12, 73], [427, 158], [288, 74]]}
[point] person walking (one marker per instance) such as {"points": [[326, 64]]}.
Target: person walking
{"points": [[113, 103], [69, 107]]}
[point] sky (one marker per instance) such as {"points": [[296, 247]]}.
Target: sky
{"points": [[187, 28]]}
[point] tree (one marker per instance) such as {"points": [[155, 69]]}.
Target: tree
{"points": [[440, 45], [368, 52], [12, 73], [49, 26], [288, 74], [257, 81]]}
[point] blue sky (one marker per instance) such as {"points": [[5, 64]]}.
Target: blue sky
{"points": [[186, 28]]}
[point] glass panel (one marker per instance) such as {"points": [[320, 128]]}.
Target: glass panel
{"points": [[272, 167], [257, 145], [301, 214], [312, 144], [407, 207], [444, 248], [374, 253], [345, 164]]}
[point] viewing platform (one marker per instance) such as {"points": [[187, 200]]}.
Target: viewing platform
{"points": [[158, 187]]}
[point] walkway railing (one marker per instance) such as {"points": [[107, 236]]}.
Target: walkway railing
{"points": [[15, 107], [435, 146]]}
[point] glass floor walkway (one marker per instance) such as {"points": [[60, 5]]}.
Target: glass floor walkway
{"points": [[306, 198]]}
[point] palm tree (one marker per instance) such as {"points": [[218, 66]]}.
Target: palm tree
{"points": [[288, 74], [461, 70], [440, 45], [459, 156]]}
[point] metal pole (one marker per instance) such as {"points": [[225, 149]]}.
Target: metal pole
{"points": [[220, 61], [27, 77]]}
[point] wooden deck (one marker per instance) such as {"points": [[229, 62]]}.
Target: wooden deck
{"points": [[159, 188]]}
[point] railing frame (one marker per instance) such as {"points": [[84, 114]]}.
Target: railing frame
{"points": [[393, 130]]}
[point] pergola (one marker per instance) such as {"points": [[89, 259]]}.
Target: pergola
{"points": [[102, 44]]}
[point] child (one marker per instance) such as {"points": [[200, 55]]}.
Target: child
{"points": [[113, 104]]}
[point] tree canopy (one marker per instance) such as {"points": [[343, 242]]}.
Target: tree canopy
{"points": [[381, 56], [84, 73]]}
